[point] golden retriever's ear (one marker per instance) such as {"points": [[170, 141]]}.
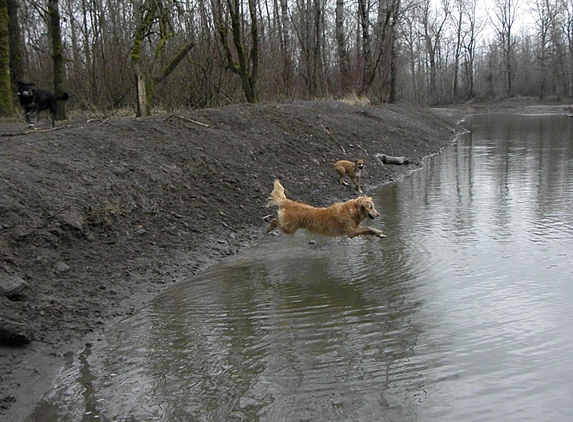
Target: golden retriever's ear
{"points": [[364, 202], [361, 204]]}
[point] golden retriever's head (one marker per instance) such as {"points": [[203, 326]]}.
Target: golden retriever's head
{"points": [[359, 164], [365, 207]]}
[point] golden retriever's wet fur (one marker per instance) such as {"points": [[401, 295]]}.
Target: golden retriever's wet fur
{"points": [[340, 219]]}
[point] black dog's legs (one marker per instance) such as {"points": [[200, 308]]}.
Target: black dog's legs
{"points": [[53, 106], [31, 117]]}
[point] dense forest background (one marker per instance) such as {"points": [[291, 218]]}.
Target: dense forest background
{"points": [[147, 55]]}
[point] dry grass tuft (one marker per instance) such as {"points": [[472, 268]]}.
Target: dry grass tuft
{"points": [[354, 99]]}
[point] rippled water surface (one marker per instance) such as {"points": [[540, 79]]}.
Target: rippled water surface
{"points": [[463, 313]]}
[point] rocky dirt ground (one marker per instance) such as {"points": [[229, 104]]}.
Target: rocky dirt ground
{"points": [[98, 217]]}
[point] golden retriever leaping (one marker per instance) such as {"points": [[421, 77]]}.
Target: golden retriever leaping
{"points": [[342, 218]]}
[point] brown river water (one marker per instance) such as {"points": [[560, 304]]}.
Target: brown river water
{"points": [[463, 313]]}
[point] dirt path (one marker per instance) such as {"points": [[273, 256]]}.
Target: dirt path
{"points": [[97, 218]]}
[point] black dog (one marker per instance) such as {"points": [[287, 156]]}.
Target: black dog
{"points": [[35, 100]]}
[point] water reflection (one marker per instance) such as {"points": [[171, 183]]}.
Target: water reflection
{"points": [[462, 313], [278, 338], [497, 220]]}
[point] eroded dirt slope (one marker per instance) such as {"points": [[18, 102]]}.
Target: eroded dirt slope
{"points": [[97, 217]]}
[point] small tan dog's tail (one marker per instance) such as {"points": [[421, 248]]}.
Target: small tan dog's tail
{"points": [[277, 195]]}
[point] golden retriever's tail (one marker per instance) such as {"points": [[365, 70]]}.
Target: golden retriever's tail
{"points": [[277, 195]]}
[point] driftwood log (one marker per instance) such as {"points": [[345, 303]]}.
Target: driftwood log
{"points": [[388, 159]]}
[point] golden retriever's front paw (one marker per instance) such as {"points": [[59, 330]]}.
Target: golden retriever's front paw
{"points": [[381, 235]]}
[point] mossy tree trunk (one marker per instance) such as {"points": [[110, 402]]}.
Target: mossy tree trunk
{"points": [[57, 54], [6, 103], [152, 12], [147, 18], [156, 78], [16, 43], [247, 65]]}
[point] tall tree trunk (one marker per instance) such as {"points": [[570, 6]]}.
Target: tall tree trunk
{"points": [[506, 16], [432, 36], [470, 47], [306, 34], [393, 94], [148, 15], [6, 103], [253, 79], [247, 66], [364, 23], [152, 11], [142, 106], [15, 33], [457, 50], [57, 55], [372, 57], [343, 65], [286, 46], [317, 48]]}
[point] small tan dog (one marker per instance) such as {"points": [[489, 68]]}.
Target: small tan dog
{"points": [[342, 218], [351, 168]]}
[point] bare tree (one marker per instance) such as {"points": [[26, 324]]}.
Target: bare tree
{"points": [[504, 18], [411, 41], [433, 26], [466, 30], [343, 65], [469, 41], [374, 49], [308, 27], [567, 25], [557, 46], [153, 11], [395, 20], [230, 18], [542, 11], [285, 44], [458, 21]]}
